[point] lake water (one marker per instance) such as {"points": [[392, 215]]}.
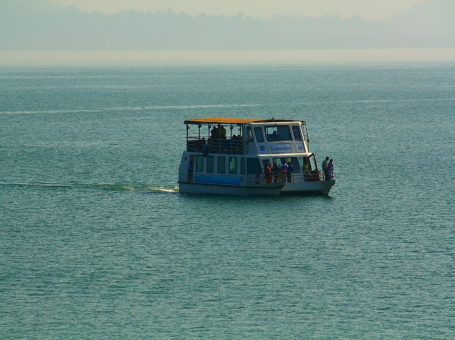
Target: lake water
{"points": [[96, 241]]}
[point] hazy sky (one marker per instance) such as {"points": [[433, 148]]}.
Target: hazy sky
{"points": [[368, 9]]}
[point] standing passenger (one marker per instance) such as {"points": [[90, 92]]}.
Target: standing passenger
{"points": [[276, 172], [330, 169], [290, 170], [325, 165], [268, 173], [284, 171], [222, 132]]}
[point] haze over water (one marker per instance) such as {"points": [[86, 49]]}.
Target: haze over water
{"points": [[96, 242]]}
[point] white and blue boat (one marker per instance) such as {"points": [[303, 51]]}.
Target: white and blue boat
{"points": [[240, 156]]}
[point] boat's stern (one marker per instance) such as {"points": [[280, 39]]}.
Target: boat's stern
{"points": [[311, 188]]}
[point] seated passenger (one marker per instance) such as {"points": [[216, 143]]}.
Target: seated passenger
{"points": [[222, 132], [214, 134]]}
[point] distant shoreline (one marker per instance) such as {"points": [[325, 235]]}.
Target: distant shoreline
{"points": [[28, 58]]}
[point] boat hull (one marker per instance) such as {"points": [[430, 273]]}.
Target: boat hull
{"points": [[312, 188], [273, 189]]}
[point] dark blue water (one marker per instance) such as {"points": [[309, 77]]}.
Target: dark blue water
{"points": [[96, 242]]}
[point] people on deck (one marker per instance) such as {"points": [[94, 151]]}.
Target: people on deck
{"points": [[214, 133], [275, 172], [222, 132], [268, 173], [325, 165], [330, 170], [290, 170], [284, 171], [306, 164]]}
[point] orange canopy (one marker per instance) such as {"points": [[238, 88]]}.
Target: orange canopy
{"points": [[222, 120]]}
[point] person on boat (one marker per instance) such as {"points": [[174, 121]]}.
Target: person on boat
{"points": [[290, 170], [222, 132], [330, 169], [275, 172], [306, 164], [214, 133], [284, 171], [325, 165], [205, 147], [268, 173]]}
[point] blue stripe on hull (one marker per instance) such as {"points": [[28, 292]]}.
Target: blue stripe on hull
{"points": [[214, 179]]}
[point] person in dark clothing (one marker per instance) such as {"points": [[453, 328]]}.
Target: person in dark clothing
{"points": [[325, 165], [290, 170], [275, 172], [330, 170]]}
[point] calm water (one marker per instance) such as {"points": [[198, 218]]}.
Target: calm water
{"points": [[96, 242]]}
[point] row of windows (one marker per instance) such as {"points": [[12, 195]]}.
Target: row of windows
{"points": [[250, 166], [275, 133], [231, 164]]}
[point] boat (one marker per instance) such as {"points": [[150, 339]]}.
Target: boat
{"points": [[242, 156]]}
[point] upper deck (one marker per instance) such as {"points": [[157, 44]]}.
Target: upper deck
{"points": [[227, 135]]}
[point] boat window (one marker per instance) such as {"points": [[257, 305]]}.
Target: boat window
{"points": [[278, 161], [253, 166], [250, 134], [233, 165], [314, 166], [307, 163], [242, 165], [221, 166], [259, 135], [304, 162], [210, 164], [296, 132], [277, 133], [294, 161], [199, 163]]}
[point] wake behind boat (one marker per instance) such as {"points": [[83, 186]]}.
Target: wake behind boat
{"points": [[240, 156]]}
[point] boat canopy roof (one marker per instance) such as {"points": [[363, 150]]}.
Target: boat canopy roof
{"points": [[229, 120]]}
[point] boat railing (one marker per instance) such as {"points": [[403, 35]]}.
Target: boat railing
{"points": [[224, 146], [297, 176], [195, 144], [313, 175]]}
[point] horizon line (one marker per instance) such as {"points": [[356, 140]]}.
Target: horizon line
{"points": [[221, 57]]}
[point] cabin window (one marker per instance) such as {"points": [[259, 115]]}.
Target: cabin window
{"points": [[253, 166], [294, 161], [279, 161], [259, 135], [199, 163], [233, 165], [249, 134], [307, 163], [221, 165], [210, 164], [277, 133], [312, 159], [296, 132], [242, 165]]}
